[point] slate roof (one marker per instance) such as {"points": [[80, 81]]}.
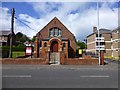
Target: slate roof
{"points": [[4, 33], [102, 30]]}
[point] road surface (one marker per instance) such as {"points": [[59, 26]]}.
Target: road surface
{"points": [[60, 76]]}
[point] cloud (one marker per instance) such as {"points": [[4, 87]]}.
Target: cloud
{"points": [[4, 19], [43, 8], [5, 22], [78, 17], [84, 17]]}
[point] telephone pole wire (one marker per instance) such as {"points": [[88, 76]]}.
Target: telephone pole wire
{"points": [[12, 31]]}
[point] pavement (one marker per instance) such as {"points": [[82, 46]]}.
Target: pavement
{"points": [[112, 61], [60, 76]]}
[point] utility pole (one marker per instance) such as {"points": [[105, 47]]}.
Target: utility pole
{"points": [[12, 31]]}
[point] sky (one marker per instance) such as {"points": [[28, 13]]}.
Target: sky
{"points": [[78, 17]]}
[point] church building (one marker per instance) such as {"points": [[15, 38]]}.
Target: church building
{"points": [[55, 43]]}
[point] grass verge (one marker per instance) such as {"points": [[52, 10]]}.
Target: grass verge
{"points": [[17, 53]]}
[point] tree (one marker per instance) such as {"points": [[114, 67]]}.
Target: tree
{"points": [[82, 45], [19, 35], [21, 38], [33, 39]]}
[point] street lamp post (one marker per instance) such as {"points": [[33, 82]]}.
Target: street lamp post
{"points": [[98, 31]]}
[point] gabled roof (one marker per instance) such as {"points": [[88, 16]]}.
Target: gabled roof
{"points": [[55, 18], [4, 33]]}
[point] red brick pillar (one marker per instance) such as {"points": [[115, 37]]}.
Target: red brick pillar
{"points": [[36, 49], [102, 57], [47, 57], [66, 50], [62, 59]]}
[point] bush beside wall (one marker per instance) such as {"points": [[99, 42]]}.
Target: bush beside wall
{"points": [[5, 50], [14, 48], [5, 54]]}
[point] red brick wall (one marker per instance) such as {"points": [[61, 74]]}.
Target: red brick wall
{"points": [[22, 61], [44, 33], [64, 61], [77, 61], [86, 60]]}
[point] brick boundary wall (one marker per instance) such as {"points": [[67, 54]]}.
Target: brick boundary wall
{"points": [[81, 61], [67, 61], [23, 61]]}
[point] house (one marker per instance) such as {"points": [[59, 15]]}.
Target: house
{"points": [[116, 43], [104, 39], [4, 38], [55, 41], [109, 42]]}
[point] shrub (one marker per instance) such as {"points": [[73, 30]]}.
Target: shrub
{"points": [[14, 48], [21, 46], [5, 53], [18, 48]]}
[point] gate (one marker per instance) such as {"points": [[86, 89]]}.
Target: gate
{"points": [[54, 58]]}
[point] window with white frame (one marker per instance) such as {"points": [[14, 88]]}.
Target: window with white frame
{"points": [[55, 32]]}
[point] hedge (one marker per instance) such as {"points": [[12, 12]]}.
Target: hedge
{"points": [[5, 50], [5, 54], [14, 48]]}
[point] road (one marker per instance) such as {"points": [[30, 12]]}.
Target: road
{"points": [[60, 76]]}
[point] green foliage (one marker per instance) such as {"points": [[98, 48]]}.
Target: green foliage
{"points": [[17, 54], [82, 45], [19, 35], [5, 54], [14, 48], [5, 48], [21, 38], [21, 45], [17, 51], [18, 48], [33, 39]]}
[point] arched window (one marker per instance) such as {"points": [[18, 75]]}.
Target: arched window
{"points": [[59, 32], [64, 45], [52, 32], [40, 43], [55, 32], [45, 44]]}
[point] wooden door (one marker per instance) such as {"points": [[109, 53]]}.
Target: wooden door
{"points": [[54, 46]]}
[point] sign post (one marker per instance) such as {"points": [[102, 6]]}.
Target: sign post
{"points": [[29, 50], [80, 52]]}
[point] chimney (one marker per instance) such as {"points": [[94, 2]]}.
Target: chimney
{"points": [[94, 29]]}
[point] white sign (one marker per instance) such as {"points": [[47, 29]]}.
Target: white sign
{"points": [[28, 50]]}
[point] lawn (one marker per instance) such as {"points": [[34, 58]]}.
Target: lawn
{"points": [[110, 57], [17, 53]]}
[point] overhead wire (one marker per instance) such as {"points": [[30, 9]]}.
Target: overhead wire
{"points": [[25, 24]]}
